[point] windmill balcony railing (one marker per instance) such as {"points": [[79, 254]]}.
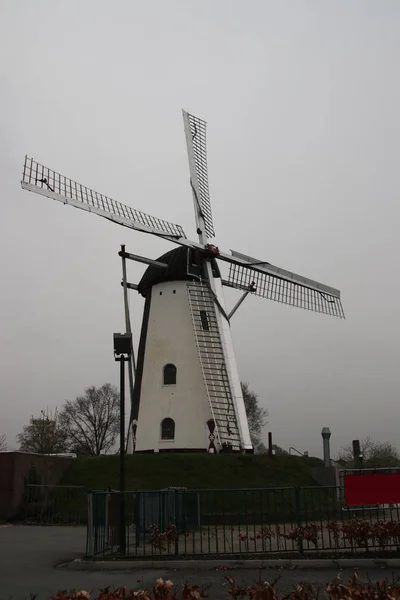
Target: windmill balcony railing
{"points": [[287, 521]]}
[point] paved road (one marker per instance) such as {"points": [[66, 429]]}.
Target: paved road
{"points": [[29, 555]]}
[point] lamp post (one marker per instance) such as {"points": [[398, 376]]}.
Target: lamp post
{"points": [[122, 354]]}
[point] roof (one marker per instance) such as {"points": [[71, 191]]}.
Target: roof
{"points": [[184, 264]]}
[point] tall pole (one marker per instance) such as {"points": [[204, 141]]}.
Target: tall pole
{"points": [[270, 448], [122, 351], [122, 457], [326, 434], [131, 361]]}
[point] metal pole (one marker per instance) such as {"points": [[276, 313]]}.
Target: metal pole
{"points": [[122, 546], [270, 450], [89, 543]]}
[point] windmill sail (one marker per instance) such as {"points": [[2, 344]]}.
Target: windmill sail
{"points": [[194, 324], [46, 182], [274, 283], [196, 141]]}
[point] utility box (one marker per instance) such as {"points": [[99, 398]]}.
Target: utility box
{"points": [[170, 506]]}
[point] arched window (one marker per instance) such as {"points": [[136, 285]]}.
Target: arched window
{"points": [[168, 429], [169, 374]]}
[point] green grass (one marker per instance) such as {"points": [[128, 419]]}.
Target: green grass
{"points": [[194, 471]]}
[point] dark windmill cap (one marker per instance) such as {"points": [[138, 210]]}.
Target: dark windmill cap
{"points": [[184, 264]]}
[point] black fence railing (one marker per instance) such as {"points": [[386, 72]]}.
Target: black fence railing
{"points": [[53, 505], [237, 521]]}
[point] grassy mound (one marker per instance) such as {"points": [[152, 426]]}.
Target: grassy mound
{"points": [[194, 471]]}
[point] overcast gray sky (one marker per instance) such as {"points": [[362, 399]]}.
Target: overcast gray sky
{"points": [[302, 103]]}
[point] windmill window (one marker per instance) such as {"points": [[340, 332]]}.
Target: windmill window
{"points": [[204, 320], [169, 374], [167, 429]]}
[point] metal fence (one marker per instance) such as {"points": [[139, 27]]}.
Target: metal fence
{"points": [[53, 505], [236, 522]]}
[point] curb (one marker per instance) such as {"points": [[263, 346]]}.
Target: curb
{"points": [[164, 565]]}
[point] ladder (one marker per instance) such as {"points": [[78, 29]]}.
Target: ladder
{"points": [[212, 361]]}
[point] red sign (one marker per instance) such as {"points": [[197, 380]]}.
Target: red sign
{"points": [[376, 488]]}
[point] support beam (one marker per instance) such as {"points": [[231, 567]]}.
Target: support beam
{"points": [[130, 286], [238, 303], [125, 285], [142, 259], [131, 359], [227, 283], [251, 288]]}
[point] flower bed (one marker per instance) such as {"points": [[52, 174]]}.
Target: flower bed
{"points": [[260, 590], [353, 535]]}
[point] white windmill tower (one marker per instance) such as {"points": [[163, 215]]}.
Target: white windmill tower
{"points": [[187, 394]]}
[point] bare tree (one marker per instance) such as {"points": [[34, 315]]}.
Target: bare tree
{"points": [[43, 435], [374, 454], [256, 416], [3, 442], [91, 422]]}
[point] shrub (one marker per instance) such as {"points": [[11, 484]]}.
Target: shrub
{"points": [[260, 590]]}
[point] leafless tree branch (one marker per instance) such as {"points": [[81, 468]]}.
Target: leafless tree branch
{"points": [[92, 420], [43, 435]]}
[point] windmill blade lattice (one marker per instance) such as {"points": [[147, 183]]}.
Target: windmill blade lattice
{"points": [[49, 183], [196, 140], [286, 288]]}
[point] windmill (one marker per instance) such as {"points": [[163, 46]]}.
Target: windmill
{"points": [[187, 393]]}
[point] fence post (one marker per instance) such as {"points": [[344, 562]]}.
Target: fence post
{"points": [[297, 492], [297, 500], [138, 516], [177, 519], [89, 537], [198, 511], [106, 520]]}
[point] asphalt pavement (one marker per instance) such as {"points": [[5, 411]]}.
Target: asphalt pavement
{"points": [[30, 559]]}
